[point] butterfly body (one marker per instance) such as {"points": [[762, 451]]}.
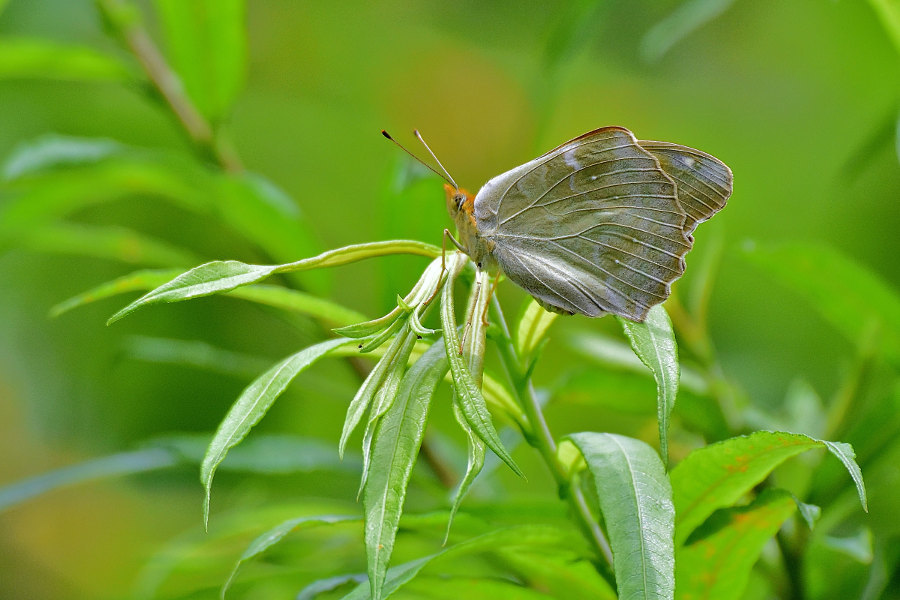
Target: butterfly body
{"points": [[598, 225]]}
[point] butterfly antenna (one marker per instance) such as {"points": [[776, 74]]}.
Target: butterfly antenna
{"points": [[445, 176], [447, 173]]}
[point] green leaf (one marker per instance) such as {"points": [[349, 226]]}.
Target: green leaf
{"points": [[610, 352], [24, 58], [473, 353], [454, 588], [395, 446], [362, 401], [139, 280], [532, 328], [267, 454], [252, 405], [196, 354], [559, 575], [207, 47], [299, 302], [718, 564], [364, 329], [115, 465], [386, 394], [329, 584], [654, 343], [852, 298], [276, 534], [471, 402], [636, 502], [52, 151], [262, 212], [527, 536], [349, 254], [684, 20], [718, 475], [475, 454], [41, 198], [113, 243], [210, 278], [889, 13]]}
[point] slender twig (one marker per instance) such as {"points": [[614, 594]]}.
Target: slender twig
{"points": [[540, 438], [124, 18]]}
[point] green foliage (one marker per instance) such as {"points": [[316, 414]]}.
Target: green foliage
{"points": [[636, 502], [603, 516], [653, 342]]}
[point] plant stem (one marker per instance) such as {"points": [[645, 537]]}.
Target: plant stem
{"points": [[540, 438], [125, 19]]}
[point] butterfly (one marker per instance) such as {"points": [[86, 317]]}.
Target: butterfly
{"points": [[599, 225]]}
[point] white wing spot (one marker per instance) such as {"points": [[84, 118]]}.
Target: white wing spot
{"points": [[617, 261], [571, 161], [635, 240], [593, 177], [690, 162]]}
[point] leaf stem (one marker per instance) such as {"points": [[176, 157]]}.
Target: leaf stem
{"points": [[540, 438], [125, 19]]}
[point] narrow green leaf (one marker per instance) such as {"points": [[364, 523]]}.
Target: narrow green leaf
{"points": [[115, 465], [329, 584], [395, 447], [52, 151], [844, 453], [718, 475], [473, 354], [364, 329], [526, 536], [349, 254], [386, 395], [210, 278], [454, 588], [610, 352], [636, 502], [559, 575], [112, 242], [252, 405], [532, 328], [654, 343], [42, 198], [362, 401], [265, 214], [847, 294], [717, 565], [684, 20], [139, 280], [889, 13], [207, 47], [278, 533], [475, 455], [196, 354], [471, 402], [24, 58], [267, 454], [299, 302]]}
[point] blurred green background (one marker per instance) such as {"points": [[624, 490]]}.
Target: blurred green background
{"points": [[799, 98]]}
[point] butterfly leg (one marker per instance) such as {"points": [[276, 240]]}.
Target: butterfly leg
{"points": [[487, 301], [447, 235]]}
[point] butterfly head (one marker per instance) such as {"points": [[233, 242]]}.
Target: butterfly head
{"points": [[459, 201]]}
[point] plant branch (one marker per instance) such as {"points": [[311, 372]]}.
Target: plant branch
{"points": [[125, 20], [540, 438]]}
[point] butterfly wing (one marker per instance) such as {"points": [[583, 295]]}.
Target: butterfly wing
{"points": [[704, 182], [593, 226]]}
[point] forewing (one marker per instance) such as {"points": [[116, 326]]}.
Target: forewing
{"points": [[704, 182], [593, 226]]}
